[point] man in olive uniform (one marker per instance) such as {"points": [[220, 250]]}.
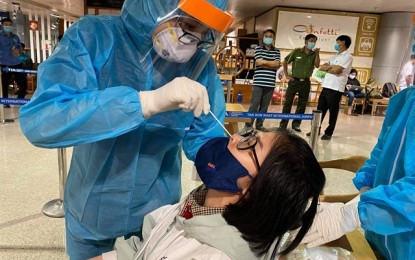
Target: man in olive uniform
{"points": [[303, 61]]}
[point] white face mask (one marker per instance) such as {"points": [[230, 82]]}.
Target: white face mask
{"points": [[167, 45], [352, 76]]}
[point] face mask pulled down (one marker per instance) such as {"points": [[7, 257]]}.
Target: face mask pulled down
{"points": [[217, 167], [168, 46]]}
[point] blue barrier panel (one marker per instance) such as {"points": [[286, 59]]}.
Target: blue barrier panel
{"points": [[269, 115], [14, 101], [19, 70]]}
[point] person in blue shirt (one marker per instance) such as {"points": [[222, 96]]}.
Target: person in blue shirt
{"points": [[128, 92], [10, 48], [386, 210]]}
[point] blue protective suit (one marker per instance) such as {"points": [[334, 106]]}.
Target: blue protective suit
{"points": [[123, 166], [387, 211]]}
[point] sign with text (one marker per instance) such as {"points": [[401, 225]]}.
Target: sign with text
{"points": [[366, 35], [294, 26]]}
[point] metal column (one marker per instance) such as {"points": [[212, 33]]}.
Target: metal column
{"points": [[315, 129], [2, 119]]}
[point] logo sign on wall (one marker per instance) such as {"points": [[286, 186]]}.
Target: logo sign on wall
{"points": [[34, 25], [366, 35], [294, 26]]}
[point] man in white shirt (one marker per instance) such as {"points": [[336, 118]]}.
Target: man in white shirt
{"points": [[407, 74], [338, 68]]}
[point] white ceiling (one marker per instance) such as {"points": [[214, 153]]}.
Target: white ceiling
{"points": [[242, 9]]}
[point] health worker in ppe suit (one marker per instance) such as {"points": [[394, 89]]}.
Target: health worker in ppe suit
{"points": [[128, 93], [386, 210]]}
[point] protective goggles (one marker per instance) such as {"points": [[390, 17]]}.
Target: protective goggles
{"points": [[202, 23], [186, 37]]}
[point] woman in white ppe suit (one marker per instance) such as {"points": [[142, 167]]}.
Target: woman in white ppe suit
{"points": [[386, 210], [129, 92], [282, 177]]}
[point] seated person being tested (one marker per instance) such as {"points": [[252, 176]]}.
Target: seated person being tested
{"points": [[257, 188]]}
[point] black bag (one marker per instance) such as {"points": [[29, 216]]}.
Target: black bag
{"points": [[389, 89]]}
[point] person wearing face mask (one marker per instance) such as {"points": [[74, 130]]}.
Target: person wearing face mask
{"points": [[303, 61], [338, 69], [10, 48], [353, 90], [133, 96], [256, 189], [267, 62]]}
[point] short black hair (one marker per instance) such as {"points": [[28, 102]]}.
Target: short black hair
{"points": [[277, 200], [269, 30], [309, 36], [353, 70], [346, 39], [6, 20], [413, 57]]}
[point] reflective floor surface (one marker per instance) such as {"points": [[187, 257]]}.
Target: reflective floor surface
{"points": [[29, 179]]}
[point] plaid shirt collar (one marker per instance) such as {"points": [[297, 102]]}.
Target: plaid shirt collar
{"points": [[194, 206]]}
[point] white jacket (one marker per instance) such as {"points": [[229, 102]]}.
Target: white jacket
{"points": [[171, 237], [168, 236]]}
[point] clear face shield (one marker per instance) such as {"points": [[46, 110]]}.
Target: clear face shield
{"points": [[185, 39]]}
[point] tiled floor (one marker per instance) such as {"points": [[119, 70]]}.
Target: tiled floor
{"points": [[29, 179]]}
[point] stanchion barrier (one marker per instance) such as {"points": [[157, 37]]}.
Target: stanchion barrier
{"points": [[10, 101], [315, 129], [315, 118], [53, 208], [2, 119]]}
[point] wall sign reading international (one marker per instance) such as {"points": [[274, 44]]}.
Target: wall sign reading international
{"points": [[292, 27]]}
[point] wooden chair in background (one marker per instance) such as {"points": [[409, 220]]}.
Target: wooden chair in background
{"points": [[377, 103]]}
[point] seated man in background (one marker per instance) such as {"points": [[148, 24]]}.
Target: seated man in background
{"points": [[386, 210], [257, 189], [353, 90]]}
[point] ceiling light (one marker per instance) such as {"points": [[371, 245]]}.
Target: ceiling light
{"points": [[55, 15]]}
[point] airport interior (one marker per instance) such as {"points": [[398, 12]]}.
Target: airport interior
{"points": [[32, 179]]}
